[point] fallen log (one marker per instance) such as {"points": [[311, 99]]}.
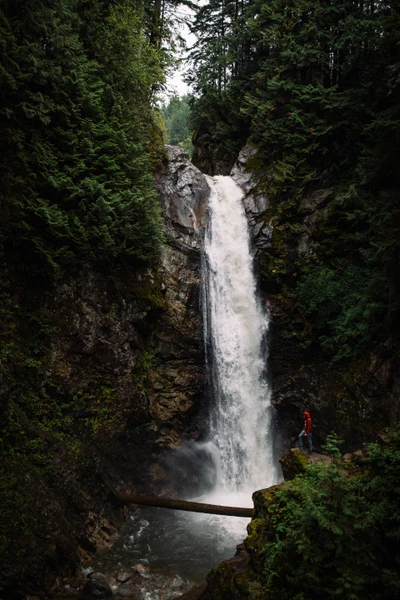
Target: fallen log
{"points": [[199, 507]]}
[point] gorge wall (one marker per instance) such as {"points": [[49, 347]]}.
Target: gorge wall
{"points": [[354, 397], [105, 375]]}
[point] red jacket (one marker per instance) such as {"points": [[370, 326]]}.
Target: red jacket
{"points": [[307, 422]]}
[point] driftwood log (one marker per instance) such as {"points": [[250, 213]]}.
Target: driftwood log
{"points": [[199, 507]]}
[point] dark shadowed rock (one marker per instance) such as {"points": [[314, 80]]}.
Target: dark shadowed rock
{"points": [[96, 588], [293, 463], [194, 594], [129, 590], [122, 576], [141, 569]]}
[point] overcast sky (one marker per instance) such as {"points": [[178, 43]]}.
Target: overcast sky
{"points": [[175, 84]]}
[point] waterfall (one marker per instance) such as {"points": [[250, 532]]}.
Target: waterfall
{"points": [[238, 458], [235, 329]]}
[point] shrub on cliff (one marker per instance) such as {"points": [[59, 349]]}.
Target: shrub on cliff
{"points": [[336, 536]]}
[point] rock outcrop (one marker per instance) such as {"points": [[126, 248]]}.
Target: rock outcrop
{"points": [[255, 201], [115, 367], [176, 381], [183, 192]]}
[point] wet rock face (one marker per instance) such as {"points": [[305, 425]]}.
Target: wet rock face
{"points": [[255, 202], [183, 192], [177, 377], [102, 326]]}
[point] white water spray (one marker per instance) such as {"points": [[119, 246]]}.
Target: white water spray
{"points": [[241, 445], [235, 329]]}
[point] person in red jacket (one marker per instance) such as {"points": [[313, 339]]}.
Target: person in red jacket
{"points": [[307, 430]]}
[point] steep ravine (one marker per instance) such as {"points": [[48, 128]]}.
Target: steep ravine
{"points": [[114, 384], [120, 370], [353, 398]]}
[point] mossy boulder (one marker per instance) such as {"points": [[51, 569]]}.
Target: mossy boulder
{"points": [[293, 463], [231, 580]]}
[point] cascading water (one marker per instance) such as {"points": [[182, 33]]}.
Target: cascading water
{"points": [[240, 446], [235, 329]]}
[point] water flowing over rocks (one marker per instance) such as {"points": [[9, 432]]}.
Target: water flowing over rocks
{"points": [[235, 330], [351, 400], [140, 333]]}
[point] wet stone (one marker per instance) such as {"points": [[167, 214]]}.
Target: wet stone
{"points": [[112, 582], [142, 569], [123, 576], [96, 588], [128, 590], [177, 582]]}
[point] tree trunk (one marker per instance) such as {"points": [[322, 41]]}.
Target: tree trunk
{"points": [[213, 509], [155, 38]]}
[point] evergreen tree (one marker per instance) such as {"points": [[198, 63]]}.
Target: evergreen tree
{"points": [[75, 111], [316, 86], [222, 61], [176, 117]]}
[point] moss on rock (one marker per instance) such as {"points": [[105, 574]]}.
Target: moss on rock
{"points": [[293, 463]]}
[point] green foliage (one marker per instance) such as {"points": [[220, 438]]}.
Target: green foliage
{"points": [[345, 307], [332, 535], [349, 291], [176, 118], [320, 85], [76, 87], [80, 141], [316, 86], [223, 64], [331, 446]]}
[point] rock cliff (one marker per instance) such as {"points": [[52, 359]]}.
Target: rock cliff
{"points": [[355, 398], [176, 381], [255, 201], [107, 376]]}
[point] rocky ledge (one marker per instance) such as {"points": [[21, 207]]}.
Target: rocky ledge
{"points": [[241, 576]]}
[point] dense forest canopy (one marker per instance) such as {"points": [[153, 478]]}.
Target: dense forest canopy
{"points": [[315, 84], [176, 115], [79, 136]]}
